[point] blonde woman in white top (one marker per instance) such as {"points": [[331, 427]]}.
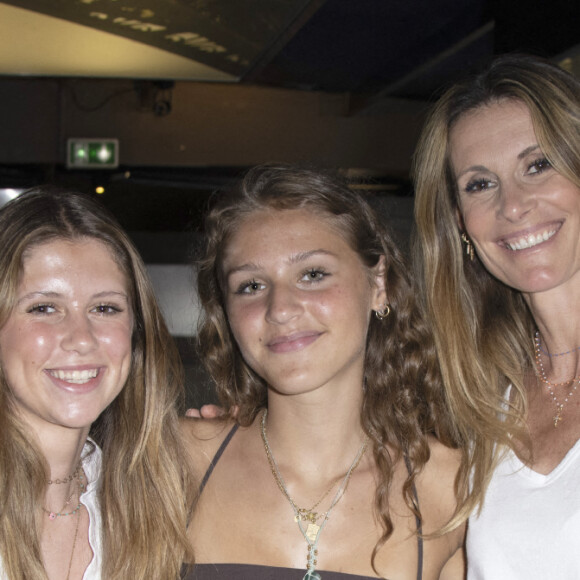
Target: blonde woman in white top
{"points": [[84, 352]]}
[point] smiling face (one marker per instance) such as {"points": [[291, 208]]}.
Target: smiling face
{"points": [[522, 216], [65, 349], [298, 300]]}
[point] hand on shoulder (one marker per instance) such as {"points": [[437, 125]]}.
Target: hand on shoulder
{"points": [[202, 439], [206, 412]]}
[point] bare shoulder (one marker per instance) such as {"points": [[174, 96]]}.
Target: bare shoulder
{"points": [[443, 464], [202, 439], [436, 488]]}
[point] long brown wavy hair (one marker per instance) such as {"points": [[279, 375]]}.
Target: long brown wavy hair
{"points": [[403, 399], [144, 483], [482, 328]]}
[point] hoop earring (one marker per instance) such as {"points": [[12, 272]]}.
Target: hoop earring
{"points": [[384, 313], [469, 251]]}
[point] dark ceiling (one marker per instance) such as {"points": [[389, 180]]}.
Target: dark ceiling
{"points": [[403, 48], [410, 48]]}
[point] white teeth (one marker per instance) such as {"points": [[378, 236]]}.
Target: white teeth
{"points": [[76, 377], [530, 241]]}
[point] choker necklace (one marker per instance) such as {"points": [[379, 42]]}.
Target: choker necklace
{"points": [[550, 385], [537, 339], [312, 532], [68, 478]]}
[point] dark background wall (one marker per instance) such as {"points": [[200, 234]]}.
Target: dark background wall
{"points": [[197, 91]]}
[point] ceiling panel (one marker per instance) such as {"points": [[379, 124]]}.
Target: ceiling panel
{"points": [[395, 48], [199, 39]]}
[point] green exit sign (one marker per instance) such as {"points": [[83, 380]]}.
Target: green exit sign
{"points": [[92, 153]]}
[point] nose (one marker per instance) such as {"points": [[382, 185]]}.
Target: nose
{"points": [[516, 200], [78, 334], [283, 304]]}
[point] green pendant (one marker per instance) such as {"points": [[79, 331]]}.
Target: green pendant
{"points": [[312, 575]]}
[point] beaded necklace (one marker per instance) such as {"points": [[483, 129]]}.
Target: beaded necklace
{"points": [[573, 382], [551, 354], [80, 489]]}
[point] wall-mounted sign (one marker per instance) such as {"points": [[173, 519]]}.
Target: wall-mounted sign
{"points": [[92, 153]]}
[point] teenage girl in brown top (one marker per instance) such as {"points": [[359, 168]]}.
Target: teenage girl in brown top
{"points": [[340, 449]]}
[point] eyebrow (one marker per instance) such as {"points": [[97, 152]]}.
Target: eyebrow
{"points": [[521, 156], [50, 294], [473, 168], [294, 259], [528, 150]]}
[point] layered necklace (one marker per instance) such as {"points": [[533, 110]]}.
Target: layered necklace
{"points": [[573, 382], [313, 528], [78, 490]]}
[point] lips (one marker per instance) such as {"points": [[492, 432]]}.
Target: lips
{"points": [[293, 342], [526, 241]]}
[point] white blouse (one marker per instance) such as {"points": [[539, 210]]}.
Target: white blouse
{"points": [[92, 468]]}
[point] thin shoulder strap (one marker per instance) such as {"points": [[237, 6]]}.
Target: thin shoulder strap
{"points": [[419, 527], [419, 539], [217, 456]]}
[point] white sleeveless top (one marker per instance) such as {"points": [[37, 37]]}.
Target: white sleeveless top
{"points": [[529, 528]]}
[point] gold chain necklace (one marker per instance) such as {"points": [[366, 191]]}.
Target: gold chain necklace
{"points": [[308, 514], [72, 553], [312, 532], [573, 382]]}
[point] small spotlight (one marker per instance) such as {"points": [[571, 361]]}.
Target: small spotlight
{"points": [[100, 189]]}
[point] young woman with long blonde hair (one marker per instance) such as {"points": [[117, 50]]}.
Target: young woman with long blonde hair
{"points": [[92, 476], [497, 175]]}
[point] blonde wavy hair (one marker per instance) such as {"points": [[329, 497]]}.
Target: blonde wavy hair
{"points": [[483, 329], [403, 398], [144, 484]]}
